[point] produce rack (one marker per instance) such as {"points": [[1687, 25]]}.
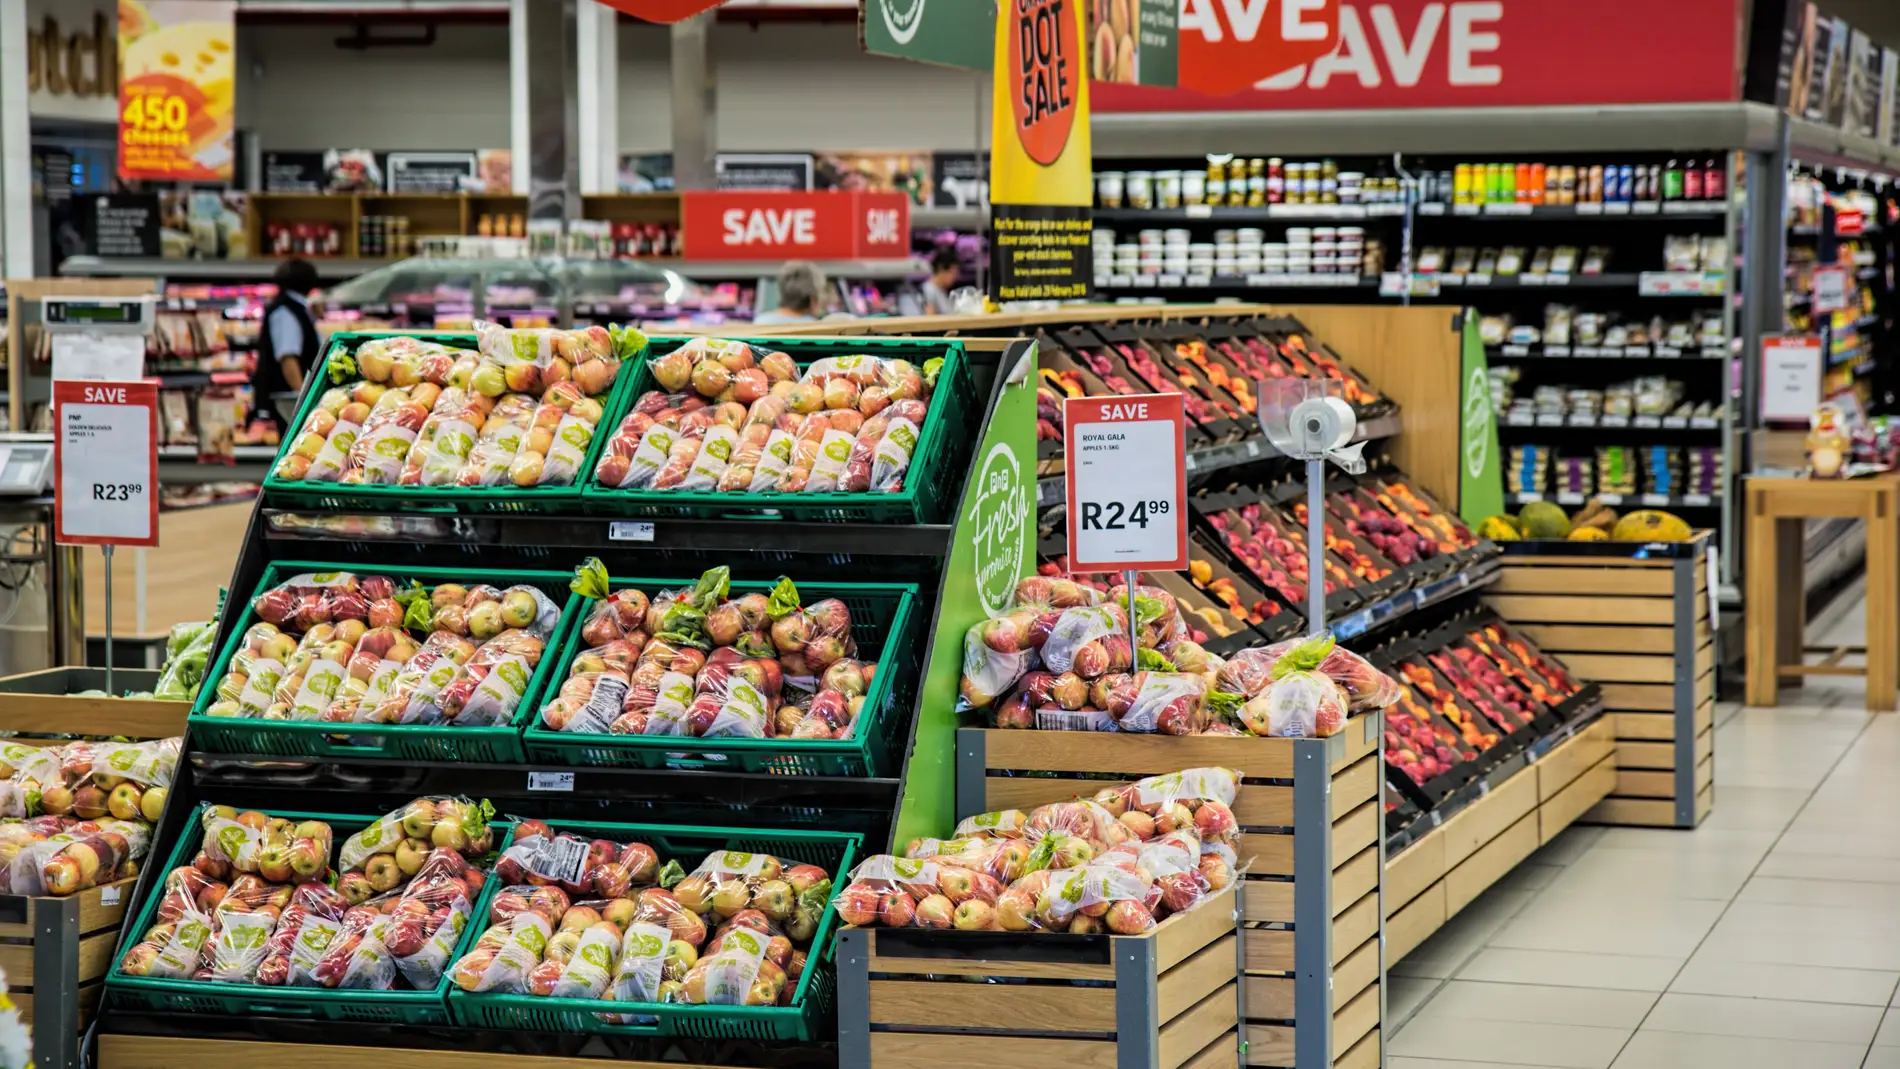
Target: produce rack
{"points": [[868, 805], [1638, 618]]}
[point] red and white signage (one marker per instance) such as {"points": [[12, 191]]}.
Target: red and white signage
{"points": [[105, 463], [1790, 377], [1460, 53], [770, 225], [1849, 222], [1127, 482], [1229, 45], [1833, 288], [661, 10]]}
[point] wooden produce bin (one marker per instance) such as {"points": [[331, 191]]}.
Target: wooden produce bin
{"points": [[919, 999], [1640, 626], [1309, 852], [1517, 808], [46, 703], [56, 952]]}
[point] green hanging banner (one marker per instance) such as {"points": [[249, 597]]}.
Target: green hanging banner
{"points": [[1480, 468], [952, 33], [993, 546]]}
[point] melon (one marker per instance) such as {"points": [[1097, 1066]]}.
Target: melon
{"points": [[1651, 526], [1541, 519]]}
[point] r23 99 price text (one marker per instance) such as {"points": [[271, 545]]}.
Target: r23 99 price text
{"points": [[116, 491]]}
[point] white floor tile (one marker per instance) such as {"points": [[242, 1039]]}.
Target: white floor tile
{"points": [[1781, 862], [1565, 968], [1788, 891], [1611, 924], [1698, 843], [1441, 1063], [1404, 995], [1889, 1034], [1709, 975], [1535, 1004], [1606, 871], [1510, 1042], [1752, 809], [1567, 846], [1880, 1058], [1689, 1050], [1815, 1022], [1823, 936]]}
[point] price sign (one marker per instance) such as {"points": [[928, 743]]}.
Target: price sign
{"points": [[105, 463], [1127, 482], [1831, 289]]}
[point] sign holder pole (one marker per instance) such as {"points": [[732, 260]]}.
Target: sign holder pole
{"points": [[107, 550], [1315, 546], [1134, 632]]}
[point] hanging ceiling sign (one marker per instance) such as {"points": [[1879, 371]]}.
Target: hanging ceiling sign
{"points": [[177, 79], [661, 10], [1436, 54]]}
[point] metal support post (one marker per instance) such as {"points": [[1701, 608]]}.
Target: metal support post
{"points": [[553, 111], [107, 550], [1315, 546], [1137, 1012], [1684, 602], [854, 990], [55, 982], [1765, 254], [1312, 901], [695, 103]]}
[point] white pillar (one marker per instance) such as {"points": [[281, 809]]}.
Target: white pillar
{"points": [[16, 150], [597, 35], [517, 92]]}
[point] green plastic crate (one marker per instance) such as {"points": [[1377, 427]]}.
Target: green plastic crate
{"points": [[337, 497], [499, 744], [885, 622], [813, 1011], [165, 996], [931, 484]]}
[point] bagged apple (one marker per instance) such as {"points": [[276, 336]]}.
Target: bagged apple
{"points": [[647, 951], [728, 882], [505, 955], [1002, 860], [738, 975], [424, 926], [1197, 798], [1108, 894], [70, 862], [242, 944], [356, 958], [1249, 671], [456, 823], [170, 951]]}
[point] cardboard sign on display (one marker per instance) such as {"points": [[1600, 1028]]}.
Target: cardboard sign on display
{"points": [[177, 86], [1790, 377], [825, 225], [1832, 288], [105, 463], [1041, 182], [1127, 482]]}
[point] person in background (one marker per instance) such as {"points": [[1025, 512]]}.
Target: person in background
{"points": [[944, 269], [801, 294], [289, 343]]}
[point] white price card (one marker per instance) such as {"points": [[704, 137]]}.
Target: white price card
{"points": [[1831, 289], [550, 781], [1790, 377], [1126, 482], [105, 463]]}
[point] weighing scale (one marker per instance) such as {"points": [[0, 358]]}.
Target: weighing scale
{"points": [[100, 338]]}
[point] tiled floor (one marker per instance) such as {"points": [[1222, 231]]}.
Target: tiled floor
{"points": [[1768, 937]]}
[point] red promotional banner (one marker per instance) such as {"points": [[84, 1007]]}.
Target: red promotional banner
{"points": [[1466, 53], [1229, 45], [765, 225]]}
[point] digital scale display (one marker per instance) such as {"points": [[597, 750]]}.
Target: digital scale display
{"points": [[94, 313], [25, 467]]}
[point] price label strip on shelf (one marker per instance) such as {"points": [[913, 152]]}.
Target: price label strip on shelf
{"points": [[105, 463], [1126, 483]]}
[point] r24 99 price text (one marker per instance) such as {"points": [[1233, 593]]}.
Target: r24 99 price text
{"points": [[1119, 515]]}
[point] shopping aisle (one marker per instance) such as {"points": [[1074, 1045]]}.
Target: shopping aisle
{"points": [[1768, 937]]}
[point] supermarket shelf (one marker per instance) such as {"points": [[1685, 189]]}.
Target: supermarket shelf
{"points": [[337, 268], [1377, 615], [1593, 352], [1054, 489], [595, 533], [1283, 213], [1440, 131], [1236, 282], [946, 218], [240, 453], [1574, 421], [1648, 501], [1650, 210]]}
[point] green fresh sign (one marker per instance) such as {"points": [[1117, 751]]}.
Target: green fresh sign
{"points": [[993, 547], [1480, 472], [954, 33]]}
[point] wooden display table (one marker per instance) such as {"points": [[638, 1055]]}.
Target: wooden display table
{"points": [[1774, 603]]}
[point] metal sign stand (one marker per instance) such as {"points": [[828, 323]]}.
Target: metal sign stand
{"points": [[107, 550]]}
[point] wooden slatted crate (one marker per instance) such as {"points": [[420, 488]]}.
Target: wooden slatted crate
{"points": [[1520, 807], [916, 998], [1309, 812], [1642, 627], [56, 952]]}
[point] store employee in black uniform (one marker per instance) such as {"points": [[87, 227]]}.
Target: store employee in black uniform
{"points": [[288, 345]]}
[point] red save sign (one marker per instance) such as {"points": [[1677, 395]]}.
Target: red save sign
{"points": [[105, 463], [1453, 53], [1228, 45], [1126, 482], [766, 225]]}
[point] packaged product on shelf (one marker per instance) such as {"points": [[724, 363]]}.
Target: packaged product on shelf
{"points": [[454, 823]]}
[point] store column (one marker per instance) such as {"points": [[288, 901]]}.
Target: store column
{"points": [[16, 153], [695, 102], [597, 39]]}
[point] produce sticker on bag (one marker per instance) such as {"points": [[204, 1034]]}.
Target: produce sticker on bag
{"points": [[590, 967], [642, 959], [320, 684], [742, 715], [1074, 629], [499, 693], [327, 465], [833, 451], [572, 436], [603, 706], [893, 454], [730, 972], [313, 940], [668, 715], [656, 445], [715, 453], [773, 460], [259, 687]]}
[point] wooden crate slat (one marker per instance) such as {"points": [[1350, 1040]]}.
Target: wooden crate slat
{"points": [[1183, 934], [1192, 980], [1360, 1016], [1415, 868], [1354, 785], [1354, 925], [1223, 1053], [1265, 854], [1021, 1007], [1566, 640], [1639, 697], [1620, 667], [1363, 1055], [1415, 923], [1031, 970], [1097, 751], [1572, 758], [1355, 831], [1608, 582], [1355, 878], [1359, 968], [1494, 859], [1637, 811], [1558, 609], [1358, 738], [1268, 901], [1641, 727], [1270, 1044], [1188, 1034], [1269, 998], [1269, 950], [1576, 799], [1559, 560], [1704, 773], [1483, 820], [1705, 746], [924, 1050], [1641, 783], [1646, 755]]}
